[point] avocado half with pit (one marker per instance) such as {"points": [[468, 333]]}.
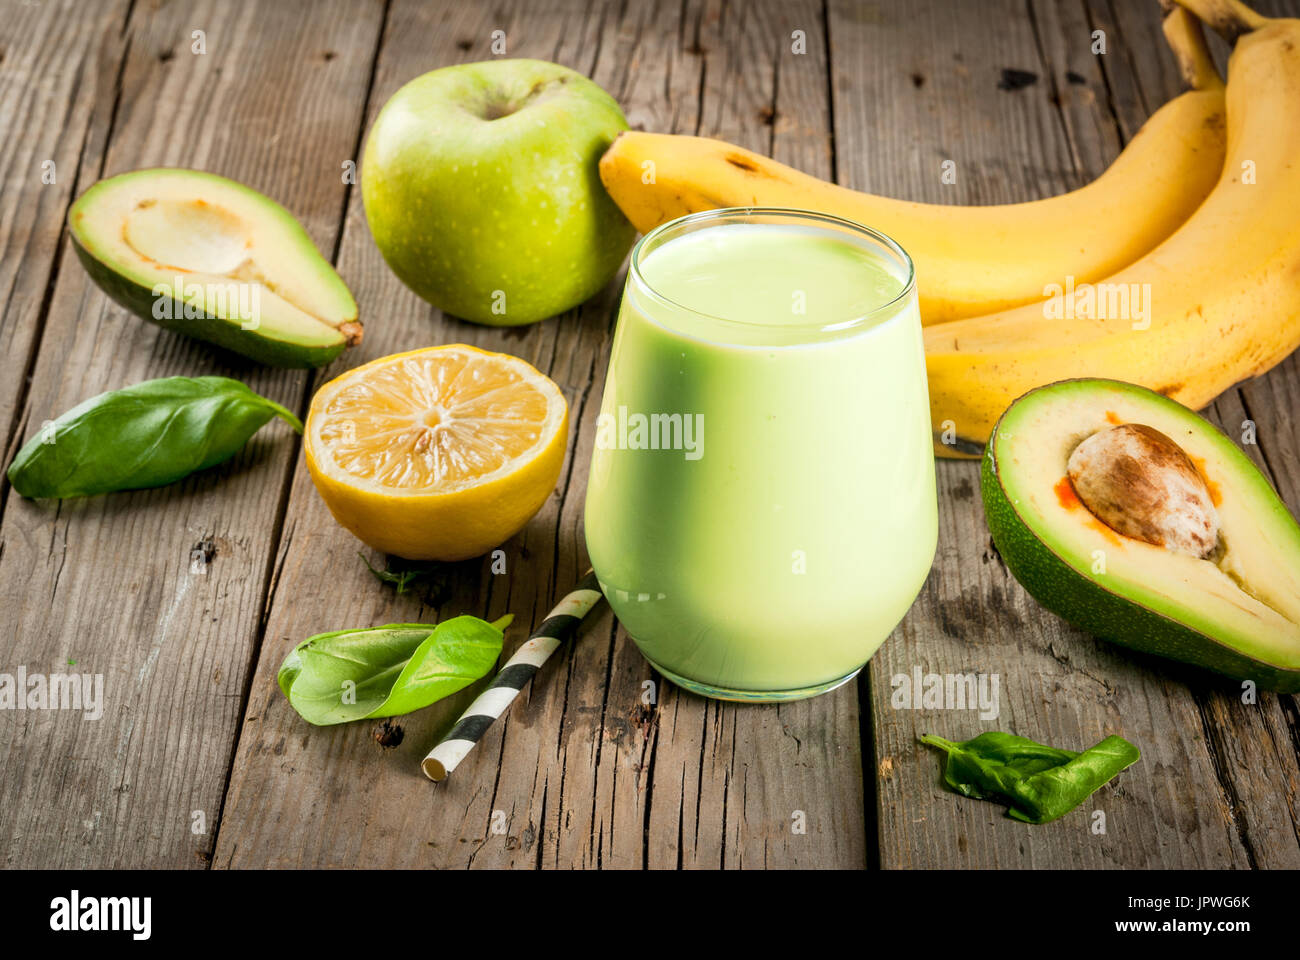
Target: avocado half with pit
{"points": [[1138, 521], [214, 259]]}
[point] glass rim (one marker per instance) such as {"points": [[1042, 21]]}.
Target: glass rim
{"points": [[721, 213]]}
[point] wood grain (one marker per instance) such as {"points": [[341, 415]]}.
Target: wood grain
{"points": [[288, 778], [766, 772], [59, 73], [1252, 745], [600, 763], [1058, 685], [109, 581], [569, 776]]}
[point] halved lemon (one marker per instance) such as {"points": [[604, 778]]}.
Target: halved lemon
{"points": [[437, 454]]}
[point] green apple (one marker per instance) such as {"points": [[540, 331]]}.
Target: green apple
{"points": [[482, 191]]}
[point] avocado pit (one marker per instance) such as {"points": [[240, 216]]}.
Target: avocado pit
{"points": [[1143, 485]]}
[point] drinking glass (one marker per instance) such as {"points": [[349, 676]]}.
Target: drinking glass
{"points": [[761, 506]]}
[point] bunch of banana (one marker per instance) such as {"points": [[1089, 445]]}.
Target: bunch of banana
{"points": [[969, 260], [1223, 289]]}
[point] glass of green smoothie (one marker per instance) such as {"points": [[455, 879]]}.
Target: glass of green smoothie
{"points": [[761, 507]]}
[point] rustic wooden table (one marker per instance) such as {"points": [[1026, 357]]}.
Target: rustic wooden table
{"points": [[198, 760]]}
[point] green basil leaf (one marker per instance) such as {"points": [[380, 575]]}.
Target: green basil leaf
{"points": [[146, 435], [1038, 782], [387, 671]]}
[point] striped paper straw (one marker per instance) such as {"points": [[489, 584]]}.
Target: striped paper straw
{"points": [[559, 625]]}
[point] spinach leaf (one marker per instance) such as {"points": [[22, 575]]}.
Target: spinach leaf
{"points": [[146, 435], [1055, 792], [387, 671], [1040, 783], [992, 762]]}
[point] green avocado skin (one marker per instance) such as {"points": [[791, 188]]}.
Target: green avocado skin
{"points": [[140, 301], [1063, 590]]}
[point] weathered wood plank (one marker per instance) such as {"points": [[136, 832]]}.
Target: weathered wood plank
{"points": [[59, 67], [593, 798], [1253, 746], [582, 773], [109, 582], [289, 778], [765, 770], [928, 93], [579, 772], [1057, 685]]}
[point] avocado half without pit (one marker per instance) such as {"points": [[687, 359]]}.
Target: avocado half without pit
{"points": [[214, 259], [1138, 521]]}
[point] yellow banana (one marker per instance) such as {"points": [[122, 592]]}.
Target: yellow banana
{"points": [[1217, 302], [969, 260], [1231, 18]]}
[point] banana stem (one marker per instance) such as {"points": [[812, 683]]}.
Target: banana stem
{"points": [[1186, 39], [1228, 18]]}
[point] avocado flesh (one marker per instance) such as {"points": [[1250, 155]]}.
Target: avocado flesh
{"points": [[225, 249], [1236, 612]]}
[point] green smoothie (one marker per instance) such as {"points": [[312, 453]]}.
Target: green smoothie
{"points": [[761, 506]]}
